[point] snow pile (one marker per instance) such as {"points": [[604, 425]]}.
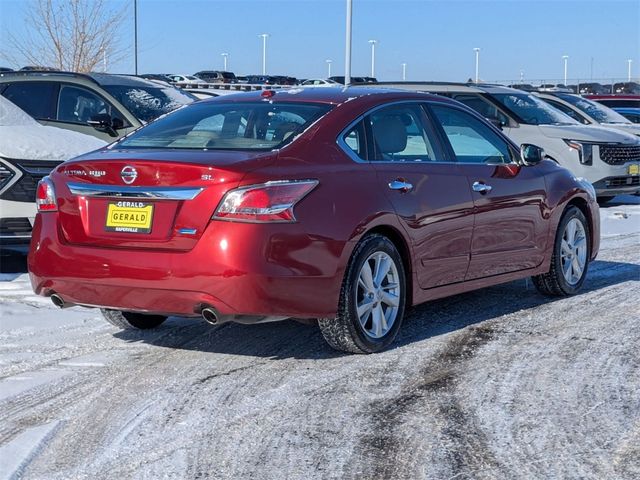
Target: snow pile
{"points": [[622, 217], [11, 115], [21, 137]]}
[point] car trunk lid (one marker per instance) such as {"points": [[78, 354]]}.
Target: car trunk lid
{"points": [[146, 200]]}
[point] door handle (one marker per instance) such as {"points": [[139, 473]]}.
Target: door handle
{"points": [[481, 187], [400, 185]]}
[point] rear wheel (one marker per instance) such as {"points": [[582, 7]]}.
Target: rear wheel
{"points": [[131, 320], [372, 299], [570, 258]]}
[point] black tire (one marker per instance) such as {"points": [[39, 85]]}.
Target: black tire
{"points": [[603, 200], [131, 320], [344, 332], [553, 282]]}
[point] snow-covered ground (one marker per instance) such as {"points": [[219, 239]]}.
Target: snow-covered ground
{"points": [[499, 383]]}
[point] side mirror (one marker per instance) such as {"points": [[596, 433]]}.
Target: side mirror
{"points": [[104, 123], [531, 154], [496, 122]]}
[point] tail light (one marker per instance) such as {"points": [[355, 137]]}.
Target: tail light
{"points": [[267, 202], [46, 196]]}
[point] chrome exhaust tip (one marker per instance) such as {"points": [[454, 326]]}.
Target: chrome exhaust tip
{"points": [[57, 300], [210, 316]]}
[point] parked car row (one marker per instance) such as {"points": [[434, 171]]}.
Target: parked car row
{"points": [[222, 77], [587, 88]]}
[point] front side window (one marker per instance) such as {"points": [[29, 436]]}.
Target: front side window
{"points": [[531, 110], [471, 140], [79, 105], [566, 110], [35, 98], [399, 135], [483, 107], [228, 126]]}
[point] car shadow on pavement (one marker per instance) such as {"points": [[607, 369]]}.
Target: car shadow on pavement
{"points": [[290, 339]]}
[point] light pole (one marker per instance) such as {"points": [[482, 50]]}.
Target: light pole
{"points": [[225, 56], [521, 76], [629, 70], [104, 59], [565, 58], [135, 35], [264, 52], [477, 50], [328, 60], [347, 46], [373, 57], [404, 71]]}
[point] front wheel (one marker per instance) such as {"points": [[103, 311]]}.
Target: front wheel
{"points": [[570, 259], [372, 299], [131, 320]]}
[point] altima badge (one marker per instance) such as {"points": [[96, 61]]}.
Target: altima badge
{"points": [[129, 174]]}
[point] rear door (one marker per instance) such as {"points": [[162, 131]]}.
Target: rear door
{"points": [[429, 193], [510, 228]]}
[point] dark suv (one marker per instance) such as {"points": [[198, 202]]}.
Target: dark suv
{"points": [[98, 104], [216, 76]]}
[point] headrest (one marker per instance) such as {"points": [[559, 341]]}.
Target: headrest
{"points": [[390, 134]]}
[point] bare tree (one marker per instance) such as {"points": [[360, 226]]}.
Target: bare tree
{"points": [[73, 35]]}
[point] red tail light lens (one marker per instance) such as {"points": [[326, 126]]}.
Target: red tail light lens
{"points": [[46, 196], [267, 202]]}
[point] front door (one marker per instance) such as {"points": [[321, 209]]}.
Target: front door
{"points": [[510, 228]]}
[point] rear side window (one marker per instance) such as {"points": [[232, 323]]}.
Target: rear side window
{"points": [[471, 140], [355, 140], [399, 135], [35, 98], [228, 126]]}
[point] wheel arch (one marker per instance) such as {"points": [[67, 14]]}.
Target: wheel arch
{"points": [[582, 205], [398, 240]]}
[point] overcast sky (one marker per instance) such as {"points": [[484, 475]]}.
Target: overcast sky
{"points": [[435, 38]]}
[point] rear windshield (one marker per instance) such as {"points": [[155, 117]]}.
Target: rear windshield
{"points": [[531, 110], [598, 112], [228, 126], [148, 103]]}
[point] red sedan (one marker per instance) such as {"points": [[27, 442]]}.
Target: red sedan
{"points": [[342, 205]]}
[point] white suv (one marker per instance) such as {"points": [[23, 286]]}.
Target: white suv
{"points": [[609, 159], [28, 152]]}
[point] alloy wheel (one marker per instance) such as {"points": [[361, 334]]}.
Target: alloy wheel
{"points": [[573, 251], [378, 295]]}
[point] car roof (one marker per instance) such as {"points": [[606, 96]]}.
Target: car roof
{"points": [[449, 87], [611, 96], [330, 95], [93, 77]]}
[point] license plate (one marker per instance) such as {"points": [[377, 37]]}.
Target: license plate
{"points": [[634, 169], [129, 217]]}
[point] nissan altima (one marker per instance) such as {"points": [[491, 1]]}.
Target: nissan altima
{"points": [[344, 205]]}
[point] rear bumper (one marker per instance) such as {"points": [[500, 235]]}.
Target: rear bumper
{"points": [[236, 268]]}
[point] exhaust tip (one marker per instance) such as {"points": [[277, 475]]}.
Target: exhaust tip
{"points": [[210, 316], [57, 300]]}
